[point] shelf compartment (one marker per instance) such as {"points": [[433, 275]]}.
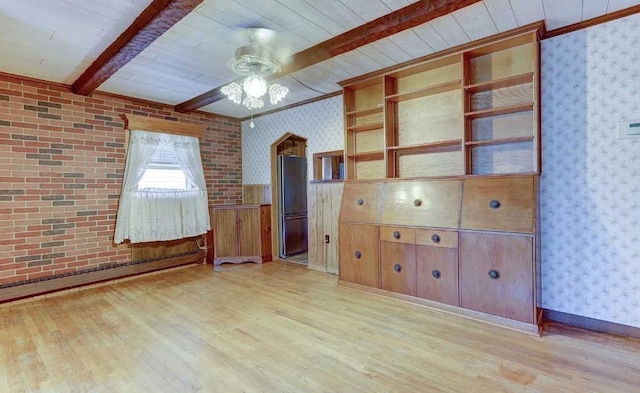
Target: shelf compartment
{"points": [[503, 158], [486, 65], [367, 156], [424, 92], [426, 120], [362, 166], [500, 83], [518, 124], [364, 96], [521, 94], [366, 127], [500, 111], [434, 147], [501, 141], [438, 163], [366, 112]]}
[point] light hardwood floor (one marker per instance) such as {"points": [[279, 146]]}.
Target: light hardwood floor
{"points": [[279, 327]]}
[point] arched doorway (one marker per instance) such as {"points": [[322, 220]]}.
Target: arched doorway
{"points": [[288, 183]]}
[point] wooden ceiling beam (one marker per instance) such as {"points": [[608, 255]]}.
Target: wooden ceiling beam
{"points": [[405, 18], [156, 19]]}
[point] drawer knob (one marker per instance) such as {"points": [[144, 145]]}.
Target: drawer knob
{"points": [[494, 274], [358, 254], [396, 235], [360, 202], [494, 204], [397, 267], [417, 203], [435, 238], [436, 274]]}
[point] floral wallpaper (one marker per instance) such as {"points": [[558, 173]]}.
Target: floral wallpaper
{"points": [[590, 188], [321, 122]]}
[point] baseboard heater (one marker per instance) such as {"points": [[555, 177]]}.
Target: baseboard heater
{"points": [[39, 286]]}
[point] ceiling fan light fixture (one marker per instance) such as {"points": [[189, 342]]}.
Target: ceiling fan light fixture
{"points": [[254, 62]]}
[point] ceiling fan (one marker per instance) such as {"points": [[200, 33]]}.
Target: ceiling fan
{"points": [[255, 62]]}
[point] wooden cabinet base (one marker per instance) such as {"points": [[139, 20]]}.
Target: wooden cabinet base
{"points": [[506, 323], [254, 259]]}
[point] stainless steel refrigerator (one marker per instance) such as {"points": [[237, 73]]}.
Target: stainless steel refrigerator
{"points": [[292, 204]]}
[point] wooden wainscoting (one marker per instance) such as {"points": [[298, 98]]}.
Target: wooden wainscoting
{"points": [[256, 194], [146, 257], [324, 208], [166, 249]]}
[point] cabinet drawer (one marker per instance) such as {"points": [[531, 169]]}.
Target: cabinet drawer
{"points": [[437, 274], [398, 267], [496, 275], [503, 204], [359, 254], [361, 202], [437, 238], [433, 203], [398, 235]]}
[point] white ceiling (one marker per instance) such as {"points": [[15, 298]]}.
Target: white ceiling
{"points": [[57, 40]]}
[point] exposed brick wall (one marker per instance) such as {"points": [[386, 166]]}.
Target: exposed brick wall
{"points": [[61, 167]]}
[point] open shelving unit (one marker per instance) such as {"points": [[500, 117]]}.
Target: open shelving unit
{"points": [[472, 111]]}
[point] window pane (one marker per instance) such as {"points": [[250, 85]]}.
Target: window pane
{"points": [[173, 179]]}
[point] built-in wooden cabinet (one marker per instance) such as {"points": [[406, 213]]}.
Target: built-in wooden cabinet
{"points": [[466, 242], [242, 233], [442, 161]]}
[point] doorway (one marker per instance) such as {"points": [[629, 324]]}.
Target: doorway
{"points": [[289, 199]]}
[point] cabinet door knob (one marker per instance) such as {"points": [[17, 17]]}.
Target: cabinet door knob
{"points": [[417, 203], [397, 267], [436, 273], [494, 274], [358, 254], [360, 202], [435, 238], [396, 235], [494, 204]]}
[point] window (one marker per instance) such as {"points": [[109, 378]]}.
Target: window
{"points": [[164, 172], [164, 193]]}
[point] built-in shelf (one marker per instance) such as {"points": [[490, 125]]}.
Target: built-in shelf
{"points": [[500, 83], [434, 147], [500, 141], [366, 127], [368, 156], [365, 112], [427, 91], [503, 110]]}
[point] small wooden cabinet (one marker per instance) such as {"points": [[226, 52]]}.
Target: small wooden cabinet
{"points": [[242, 233]]}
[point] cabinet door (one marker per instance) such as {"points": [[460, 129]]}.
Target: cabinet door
{"points": [[249, 232], [359, 254], [398, 267], [437, 274], [429, 203], [225, 233], [361, 202], [496, 275], [500, 204]]}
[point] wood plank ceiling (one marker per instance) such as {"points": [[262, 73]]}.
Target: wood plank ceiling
{"points": [[59, 40]]}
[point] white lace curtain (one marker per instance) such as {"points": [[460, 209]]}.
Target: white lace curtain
{"points": [[155, 215]]}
